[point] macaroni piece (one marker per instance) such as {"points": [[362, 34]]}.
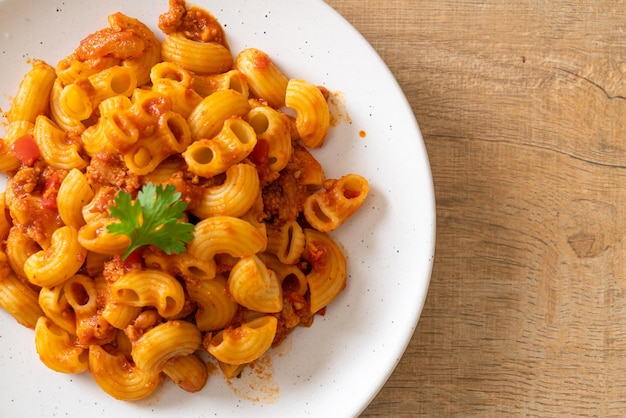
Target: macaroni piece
{"points": [[189, 372], [328, 273], [235, 197], [232, 134], [17, 298], [328, 209], [52, 143], [57, 350], [74, 193], [164, 342], [252, 285], [19, 247], [286, 242], [265, 79], [55, 306], [120, 378], [312, 116], [154, 288], [245, 343], [60, 261], [32, 97]]}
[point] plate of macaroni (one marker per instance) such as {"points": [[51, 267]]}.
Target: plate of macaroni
{"points": [[216, 208]]}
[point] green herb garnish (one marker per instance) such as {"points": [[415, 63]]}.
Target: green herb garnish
{"points": [[152, 219]]}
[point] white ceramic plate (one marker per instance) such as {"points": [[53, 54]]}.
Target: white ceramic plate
{"points": [[336, 367]]}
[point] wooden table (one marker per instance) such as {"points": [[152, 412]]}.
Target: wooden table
{"points": [[522, 107]]}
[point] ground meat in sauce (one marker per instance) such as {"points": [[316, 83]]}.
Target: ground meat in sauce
{"points": [[296, 312], [144, 322], [189, 192], [94, 330], [25, 204], [22, 183], [108, 169], [197, 24], [115, 268], [284, 198]]}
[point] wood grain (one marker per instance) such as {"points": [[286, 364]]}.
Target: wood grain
{"points": [[521, 105]]}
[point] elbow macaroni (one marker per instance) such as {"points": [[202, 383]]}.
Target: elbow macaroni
{"points": [[265, 79], [74, 193], [164, 342], [33, 95], [16, 297], [216, 309], [252, 285], [199, 57], [210, 157], [328, 273], [235, 197], [53, 145], [117, 114], [189, 372], [57, 263], [328, 209], [312, 114], [245, 343], [150, 288], [119, 377], [57, 350]]}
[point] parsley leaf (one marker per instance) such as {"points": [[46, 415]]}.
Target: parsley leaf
{"points": [[152, 219]]}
